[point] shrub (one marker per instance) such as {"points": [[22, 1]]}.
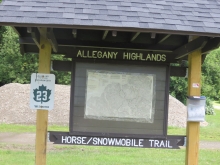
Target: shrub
{"points": [[209, 109]]}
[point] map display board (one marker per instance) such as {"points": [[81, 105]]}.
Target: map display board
{"points": [[120, 96]]}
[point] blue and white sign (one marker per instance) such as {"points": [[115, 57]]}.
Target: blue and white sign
{"points": [[42, 91]]}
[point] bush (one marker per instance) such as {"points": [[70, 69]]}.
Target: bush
{"points": [[209, 109]]}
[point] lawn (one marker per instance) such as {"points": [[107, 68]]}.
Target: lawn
{"points": [[216, 103], [85, 155], [209, 133], [91, 155]]}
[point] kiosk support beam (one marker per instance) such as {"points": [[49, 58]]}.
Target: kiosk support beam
{"points": [[193, 128], [42, 115]]}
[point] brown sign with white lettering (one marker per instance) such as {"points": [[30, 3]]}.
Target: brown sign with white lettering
{"points": [[117, 54], [172, 142]]}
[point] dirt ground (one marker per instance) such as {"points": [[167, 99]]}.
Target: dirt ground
{"points": [[26, 141]]}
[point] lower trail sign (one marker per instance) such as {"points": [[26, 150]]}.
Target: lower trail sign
{"points": [[172, 142]]}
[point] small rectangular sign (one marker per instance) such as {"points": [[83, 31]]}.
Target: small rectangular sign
{"points": [[195, 85], [42, 91], [171, 142]]}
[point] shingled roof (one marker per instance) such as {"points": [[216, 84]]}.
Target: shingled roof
{"points": [[170, 16]]}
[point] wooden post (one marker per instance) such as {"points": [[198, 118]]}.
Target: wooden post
{"points": [[42, 115], [193, 128]]}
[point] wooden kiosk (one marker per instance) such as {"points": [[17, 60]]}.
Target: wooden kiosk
{"points": [[134, 41]]}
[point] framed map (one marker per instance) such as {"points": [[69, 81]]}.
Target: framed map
{"points": [[120, 96]]}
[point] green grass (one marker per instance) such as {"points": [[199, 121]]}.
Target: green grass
{"points": [[210, 132], [29, 128], [217, 103], [109, 156], [89, 155]]}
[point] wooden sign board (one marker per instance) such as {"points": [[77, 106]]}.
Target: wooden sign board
{"points": [[125, 55], [172, 142], [118, 99]]}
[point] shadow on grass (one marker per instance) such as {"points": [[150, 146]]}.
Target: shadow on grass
{"points": [[216, 102]]}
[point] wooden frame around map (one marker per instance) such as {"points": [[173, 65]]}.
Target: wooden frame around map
{"points": [[163, 135]]}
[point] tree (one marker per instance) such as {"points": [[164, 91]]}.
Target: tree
{"points": [[211, 75], [14, 66], [178, 88], [18, 68]]}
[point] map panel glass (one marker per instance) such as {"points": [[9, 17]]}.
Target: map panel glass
{"points": [[120, 96]]}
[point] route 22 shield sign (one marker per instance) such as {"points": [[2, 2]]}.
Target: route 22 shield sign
{"points": [[42, 91]]}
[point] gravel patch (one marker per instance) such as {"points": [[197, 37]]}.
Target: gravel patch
{"points": [[14, 107]]}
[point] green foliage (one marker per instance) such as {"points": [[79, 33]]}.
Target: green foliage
{"points": [[17, 68], [209, 109], [62, 77], [14, 66], [210, 81], [211, 75], [178, 88]]}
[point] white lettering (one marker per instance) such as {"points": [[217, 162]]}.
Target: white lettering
{"points": [[79, 140], [123, 142], [99, 141], [63, 139], [74, 139], [118, 143], [83, 140], [105, 141], [69, 139], [140, 142], [135, 143], [156, 143], [151, 143], [128, 142], [169, 145], [162, 143], [111, 141], [95, 141]]}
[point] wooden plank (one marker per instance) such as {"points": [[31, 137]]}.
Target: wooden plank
{"points": [[90, 125], [114, 33], [153, 35], [27, 40], [42, 115], [211, 45], [100, 44], [121, 131], [164, 38], [178, 71], [35, 35], [134, 36], [74, 32], [16, 31], [52, 39], [61, 65], [171, 142], [194, 45], [105, 33], [193, 128]]}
